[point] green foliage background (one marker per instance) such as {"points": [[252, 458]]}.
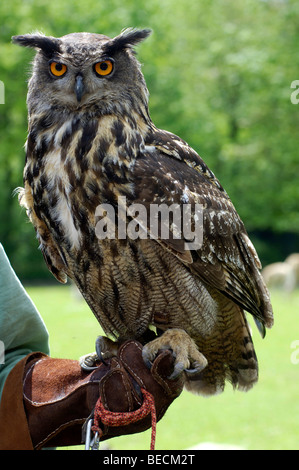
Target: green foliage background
{"points": [[219, 75]]}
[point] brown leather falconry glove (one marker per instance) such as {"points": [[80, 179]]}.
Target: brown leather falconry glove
{"points": [[46, 402]]}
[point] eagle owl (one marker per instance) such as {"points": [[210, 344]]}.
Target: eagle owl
{"points": [[91, 143]]}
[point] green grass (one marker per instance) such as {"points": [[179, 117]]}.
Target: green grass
{"points": [[267, 417]]}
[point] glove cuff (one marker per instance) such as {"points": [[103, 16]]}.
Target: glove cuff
{"points": [[14, 430]]}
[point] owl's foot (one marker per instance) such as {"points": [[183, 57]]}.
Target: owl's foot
{"points": [[88, 361], [105, 349], [186, 354]]}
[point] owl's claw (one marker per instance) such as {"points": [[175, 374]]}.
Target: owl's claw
{"points": [[105, 348], [184, 350], [99, 352], [197, 368], [178, 369]]}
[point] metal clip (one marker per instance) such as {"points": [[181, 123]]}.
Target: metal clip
{"points": [[92, 441]]}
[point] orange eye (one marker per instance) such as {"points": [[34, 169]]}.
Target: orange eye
{"points": [[58, 69], [103, 68]]}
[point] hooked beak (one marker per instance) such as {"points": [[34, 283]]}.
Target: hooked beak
{"points": [[79, 87]]}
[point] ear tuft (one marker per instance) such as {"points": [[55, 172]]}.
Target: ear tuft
{"points": [[47, 44], [127, 39]]}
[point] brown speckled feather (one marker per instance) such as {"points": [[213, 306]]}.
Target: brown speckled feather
{"points": [[227, 259]]}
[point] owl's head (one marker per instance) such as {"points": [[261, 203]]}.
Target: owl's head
{"points": [[84, 70]]}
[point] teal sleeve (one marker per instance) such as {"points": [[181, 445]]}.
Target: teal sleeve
{"points": [[22, 329]]}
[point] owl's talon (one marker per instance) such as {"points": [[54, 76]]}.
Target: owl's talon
{"points": [[192, 373], [178, 369], [105, 348], [99, 350]]}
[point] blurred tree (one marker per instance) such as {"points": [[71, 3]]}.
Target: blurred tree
{"points": [[219, 75]]}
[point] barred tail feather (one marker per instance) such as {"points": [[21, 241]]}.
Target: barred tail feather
{"points": [[230, 354]]}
